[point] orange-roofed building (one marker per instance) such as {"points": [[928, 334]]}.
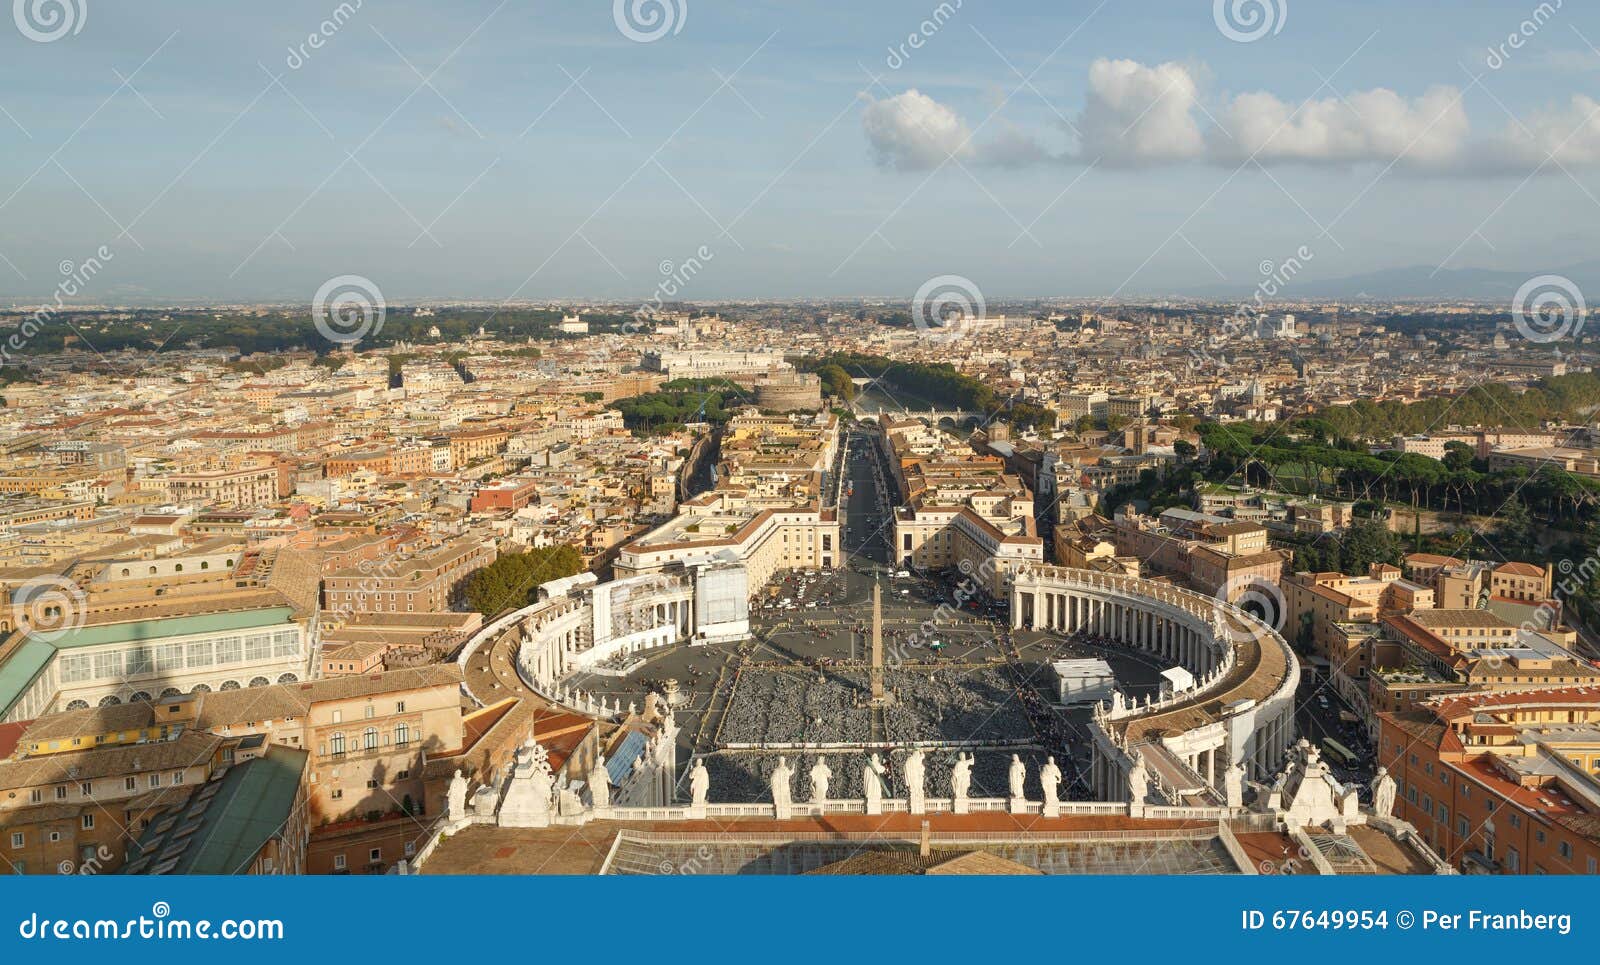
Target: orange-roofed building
{"points": [[1501, 783]]}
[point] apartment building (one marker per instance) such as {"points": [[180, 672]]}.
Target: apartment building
{"points": [[409, 583], [1209, 552], [1501, 783], [472, 445], [369, 738], [81, 785], [1442, 652], [241, 487], [1320, 607]]}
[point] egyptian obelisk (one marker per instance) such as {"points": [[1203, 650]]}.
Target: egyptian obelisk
{"points": [[879, 697]]}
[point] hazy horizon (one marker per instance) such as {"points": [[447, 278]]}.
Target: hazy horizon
{"points": [[1043, 150]]}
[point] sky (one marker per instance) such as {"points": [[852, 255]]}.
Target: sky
{"points": [[590, 150]]}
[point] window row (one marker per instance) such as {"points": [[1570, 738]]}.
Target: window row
{"points": [[142, 660]]}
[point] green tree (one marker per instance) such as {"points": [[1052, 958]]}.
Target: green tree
{"points": [[512, 580]]}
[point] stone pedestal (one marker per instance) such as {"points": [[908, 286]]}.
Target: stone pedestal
{"points": [[1018, 805], [524, 808], [528, 797]]}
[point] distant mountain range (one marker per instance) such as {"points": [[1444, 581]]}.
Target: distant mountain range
{"points": [[1424, 282]]}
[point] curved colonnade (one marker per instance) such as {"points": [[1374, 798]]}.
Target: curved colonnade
{"points": [[580, 623], [1192, 746]]}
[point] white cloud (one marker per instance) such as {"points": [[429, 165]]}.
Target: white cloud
{"points": [[1570, 134], [1139, 115], [1136, 115], [914, 132], [1376, 125]]}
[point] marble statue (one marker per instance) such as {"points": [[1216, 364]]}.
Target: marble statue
{"points": [[1018, 775], [915, 790], [872, 783], [1050, 779], [781, 776], [1233, 785], [1383, 788], [599, 784], [699, 783], [456, 799], [821, 773], [568, 804], [960, 782], [1138, 780]]}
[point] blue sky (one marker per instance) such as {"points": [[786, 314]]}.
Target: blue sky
{"points": [[553, 157]]}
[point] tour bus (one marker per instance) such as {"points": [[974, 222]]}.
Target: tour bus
{"points": [[1339, 754]]}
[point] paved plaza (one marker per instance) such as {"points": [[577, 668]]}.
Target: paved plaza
{"points": [[959, 675]]}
